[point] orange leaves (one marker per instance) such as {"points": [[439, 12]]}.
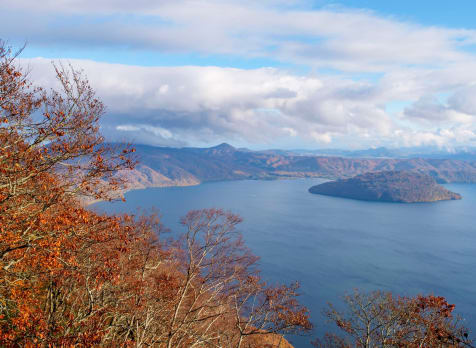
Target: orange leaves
{"points": [[378, 319], [82, 258], [437, 303], [71, 277], [65, 141], [43, 163]]}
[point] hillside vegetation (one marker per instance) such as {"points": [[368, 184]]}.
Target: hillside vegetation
{"points": [[387, 186], [73, 277], [164, 166]]}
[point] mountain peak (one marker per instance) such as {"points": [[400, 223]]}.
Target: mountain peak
{"points": [[223, 147]]}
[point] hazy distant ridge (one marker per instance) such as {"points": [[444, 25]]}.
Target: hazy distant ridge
{"points": [[166, 166]]}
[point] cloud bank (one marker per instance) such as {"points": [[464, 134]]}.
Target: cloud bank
{"points": [[368, 80], [288, 31], [203, 105]]}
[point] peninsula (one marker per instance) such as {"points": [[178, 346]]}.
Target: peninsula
{"points": [[387, 186]]}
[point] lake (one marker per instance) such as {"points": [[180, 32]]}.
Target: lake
{"points": [[333, 245]]}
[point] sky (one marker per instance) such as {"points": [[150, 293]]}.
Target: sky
{"points": [[263, 74]]}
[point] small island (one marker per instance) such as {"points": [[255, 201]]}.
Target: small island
{"points": [[387, 186]]}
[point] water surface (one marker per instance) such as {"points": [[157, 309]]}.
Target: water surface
{"points": [[333, 245]]}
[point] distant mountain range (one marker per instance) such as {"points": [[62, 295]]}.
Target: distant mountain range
{"points": [[383, 152], [166, 166]]}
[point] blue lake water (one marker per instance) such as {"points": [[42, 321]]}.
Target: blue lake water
{"points": [[333, 245]]}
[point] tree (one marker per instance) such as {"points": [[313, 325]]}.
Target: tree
{"points": [[378, 319], [49, 148], [73, 277], [50, 154], [220, 299]]}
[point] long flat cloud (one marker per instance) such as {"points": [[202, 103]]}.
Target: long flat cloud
{"points": [[340, 39], [190, 105], [369, 80]]}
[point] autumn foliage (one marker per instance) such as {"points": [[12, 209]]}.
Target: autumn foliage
{"points": [[379, 319], [73, 277]]}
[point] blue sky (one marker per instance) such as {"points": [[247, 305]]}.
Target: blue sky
{"points": [[274, 73], [452, 14], [423, 12]]}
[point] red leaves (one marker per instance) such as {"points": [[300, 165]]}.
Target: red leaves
{"points": [[71, 277], [379, 319], [43, 163], [437, 303]]}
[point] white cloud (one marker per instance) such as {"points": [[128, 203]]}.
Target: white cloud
{"points": [[448, 138], [157, 131], [430, 110], [429, 68], [200, 105], [343, 39]]}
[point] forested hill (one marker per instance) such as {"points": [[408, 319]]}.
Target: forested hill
{"points": [[166, 166], [387, 186]]}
